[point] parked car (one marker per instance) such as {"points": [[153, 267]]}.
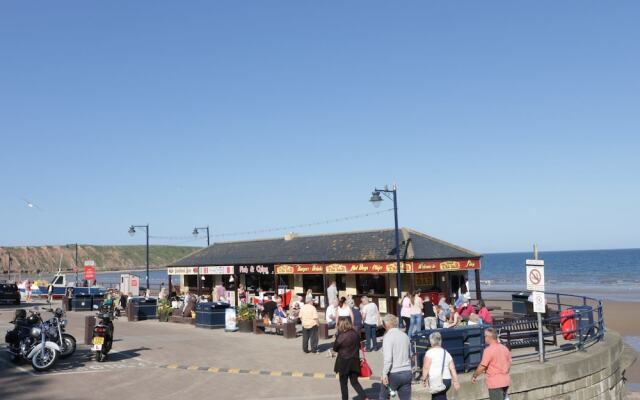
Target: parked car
{"points": [[9, 293]]}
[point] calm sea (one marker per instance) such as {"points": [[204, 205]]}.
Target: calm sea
{"points": [[607, 274]]}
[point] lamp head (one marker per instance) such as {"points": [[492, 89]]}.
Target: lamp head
{"points": [[132, 230], [195, 232], [375, 199]]}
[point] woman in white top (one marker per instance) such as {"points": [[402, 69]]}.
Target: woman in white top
{"points": [[438, 367], [344, 311], [309, 295], [405, 311], [415, 322]]}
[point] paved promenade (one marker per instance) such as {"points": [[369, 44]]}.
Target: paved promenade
{"points": [[153, 360]]}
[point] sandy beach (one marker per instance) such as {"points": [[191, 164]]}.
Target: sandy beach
{"points": [[617, 317]]}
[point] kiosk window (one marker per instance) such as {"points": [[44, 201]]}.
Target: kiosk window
{"points": [[260, 282], [313, 282], [370, 284]]}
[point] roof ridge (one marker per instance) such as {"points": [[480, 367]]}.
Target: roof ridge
{"points": [[424, 235], [312, 235]]}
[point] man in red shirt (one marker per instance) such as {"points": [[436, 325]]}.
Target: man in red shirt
{"points": [[496, 362]]}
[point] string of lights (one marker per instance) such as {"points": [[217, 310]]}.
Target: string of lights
{"points": [[275, 229]]}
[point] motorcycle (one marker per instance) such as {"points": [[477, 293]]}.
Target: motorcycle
{"points": [[29, 341], [103, 333], [56, 333]]}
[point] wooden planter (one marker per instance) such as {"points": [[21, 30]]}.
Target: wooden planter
{"points": [[245, 326]]}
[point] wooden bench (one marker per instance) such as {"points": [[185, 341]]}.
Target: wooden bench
{"points": [[524, 333]]}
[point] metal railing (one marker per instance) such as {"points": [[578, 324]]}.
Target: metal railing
{"points": [[586, 312]]}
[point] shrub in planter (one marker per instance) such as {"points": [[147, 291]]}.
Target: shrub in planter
{"points": [[164, 310], [244, 318]]}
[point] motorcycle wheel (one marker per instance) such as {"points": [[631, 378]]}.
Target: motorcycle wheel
{"points": [[68, 345], [100, 357], [43, 360]]}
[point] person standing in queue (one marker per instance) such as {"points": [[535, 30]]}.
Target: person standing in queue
{"points": [[347, 365], [396, 370], [309, 321], [496, 363], [370, 316], [405, 311], [332, 293]]}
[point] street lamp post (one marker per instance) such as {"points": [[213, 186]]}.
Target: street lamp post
{"points": [[76, 260], [132, 231], [195, 232], [376, 199]]}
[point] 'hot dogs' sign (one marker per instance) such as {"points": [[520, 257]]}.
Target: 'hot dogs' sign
{"points": [[379, 267]]}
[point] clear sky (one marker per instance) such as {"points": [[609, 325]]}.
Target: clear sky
{"points": [[503, 123]]}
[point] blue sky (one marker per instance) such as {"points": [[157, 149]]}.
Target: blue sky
{"points": [[503, 123]]}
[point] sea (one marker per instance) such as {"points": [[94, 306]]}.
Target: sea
{"points": [[602, 274]]}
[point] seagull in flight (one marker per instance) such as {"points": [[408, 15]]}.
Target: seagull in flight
{"points": [[31, 204]]}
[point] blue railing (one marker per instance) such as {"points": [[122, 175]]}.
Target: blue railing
{"points": [[580, 327]]}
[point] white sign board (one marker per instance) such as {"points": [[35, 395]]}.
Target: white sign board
{"points": [[538, 302], [217, 270], [535, 275], [230, 320]]}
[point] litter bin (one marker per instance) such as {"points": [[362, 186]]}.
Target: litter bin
{"points": [[453, 342], [473, 347], [584, 320], [211, 314], [81, 302], [142, 308], [96, 301], [520, 304]]}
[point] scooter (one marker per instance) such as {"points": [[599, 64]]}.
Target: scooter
{"points": [[103, 333]]}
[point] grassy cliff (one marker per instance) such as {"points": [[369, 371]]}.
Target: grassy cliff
{"points": [[108, 258]]}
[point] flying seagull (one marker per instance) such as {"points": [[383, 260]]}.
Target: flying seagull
{"points": [[30, 204]]}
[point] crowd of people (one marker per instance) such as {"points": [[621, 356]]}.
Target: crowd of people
{"points": [[416, 314], [419, 313], [438, 372]]}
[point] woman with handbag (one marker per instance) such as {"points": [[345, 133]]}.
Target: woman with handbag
{"points": [[438, 369], [347, 345]]}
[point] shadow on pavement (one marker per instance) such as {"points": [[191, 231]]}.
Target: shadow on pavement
{"points": [[82, 357]]}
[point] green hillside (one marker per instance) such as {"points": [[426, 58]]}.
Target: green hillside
{"points": [[108, 258]]}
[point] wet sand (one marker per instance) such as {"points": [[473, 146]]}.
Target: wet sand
{"points": [[620, 317]]}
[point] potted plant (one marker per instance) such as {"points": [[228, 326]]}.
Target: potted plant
{"points": [[164, 310], [244, 318]]}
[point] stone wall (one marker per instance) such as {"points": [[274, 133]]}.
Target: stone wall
{"points": [[596, 373]]}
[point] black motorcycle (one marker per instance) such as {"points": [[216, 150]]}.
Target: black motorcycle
{"points": [[103, 333], [56, 333], [29, 341]]}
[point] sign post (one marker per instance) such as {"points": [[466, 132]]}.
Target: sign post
{"points": [[535, 284], [89, 272]]}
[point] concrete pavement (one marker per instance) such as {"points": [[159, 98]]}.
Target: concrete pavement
{"points": [[153, 360]]}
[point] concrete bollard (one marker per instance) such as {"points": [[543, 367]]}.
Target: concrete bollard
{"points": [[89, 324]]}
